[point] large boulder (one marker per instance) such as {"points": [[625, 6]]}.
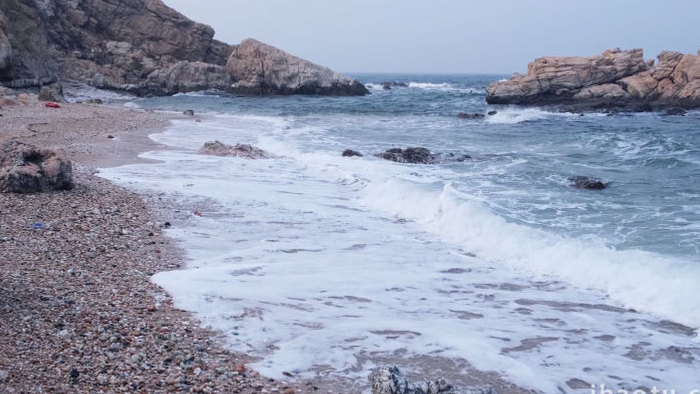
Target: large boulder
{"points": [[185, 76], [27, 169], [558, 79], [257, 68]]}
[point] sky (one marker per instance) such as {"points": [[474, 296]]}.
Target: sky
{"points": [[450, 36]]}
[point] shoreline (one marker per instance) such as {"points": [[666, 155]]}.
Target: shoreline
{"points": [[79, 310]]}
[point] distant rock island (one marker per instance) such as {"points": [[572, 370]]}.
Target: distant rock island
{"points": [[616, 79], [145, 48]]}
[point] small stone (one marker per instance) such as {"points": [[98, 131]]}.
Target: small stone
{"points": [[188, 112], [74, 374], [4, 375], [124, 232], [110, 136], [64, 334]]}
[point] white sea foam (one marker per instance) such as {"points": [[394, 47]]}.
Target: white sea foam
{"points": [[426, 85], [512, 115], [313, 261]]}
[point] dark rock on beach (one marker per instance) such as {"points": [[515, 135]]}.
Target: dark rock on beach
{"points": [[390, 380], [216, 148], [351, 153], [615, 79], [27, 169], [584, 182], [53, 92]]}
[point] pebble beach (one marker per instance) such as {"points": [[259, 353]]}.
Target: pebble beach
{"points": [[78, 312]]}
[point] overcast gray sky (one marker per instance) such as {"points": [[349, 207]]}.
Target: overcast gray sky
{"points": [[453, 36]]}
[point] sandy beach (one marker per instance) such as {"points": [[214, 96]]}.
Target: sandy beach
{"points": [[78, 312]]}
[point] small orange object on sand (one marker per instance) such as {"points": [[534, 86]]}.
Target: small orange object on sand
{"points": [[52, 105]]}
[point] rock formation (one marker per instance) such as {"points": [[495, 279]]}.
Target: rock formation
{"points": [[137, 46], [216, 148], [258, 68], [352, 153], [390, 380], [409, 155], [416, 155], [27, 169], [617, 78]]}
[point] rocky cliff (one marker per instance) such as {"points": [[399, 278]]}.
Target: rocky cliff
{"points": [[139, 46], [615, 79]]}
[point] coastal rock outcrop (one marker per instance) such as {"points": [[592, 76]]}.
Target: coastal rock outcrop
{"points": [[27, 169], [390, 380], [258, 68], [216, 148], [145, 48], [114, 45], [617, 78]]}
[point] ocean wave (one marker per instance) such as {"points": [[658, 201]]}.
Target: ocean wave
{"points": [[202, 93], [518, 115], [132, 104], [640, 280]]}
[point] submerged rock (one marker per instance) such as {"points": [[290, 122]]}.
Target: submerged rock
{"points": [[393, 84], [258, 68], [418, 155], [675, 112], [351, 153], [390, 380], [27, 169], [216, 148], [464, 115], [409, 155], [584, 182]]}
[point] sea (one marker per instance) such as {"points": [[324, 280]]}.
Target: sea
{"points": [[490, 268]]}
